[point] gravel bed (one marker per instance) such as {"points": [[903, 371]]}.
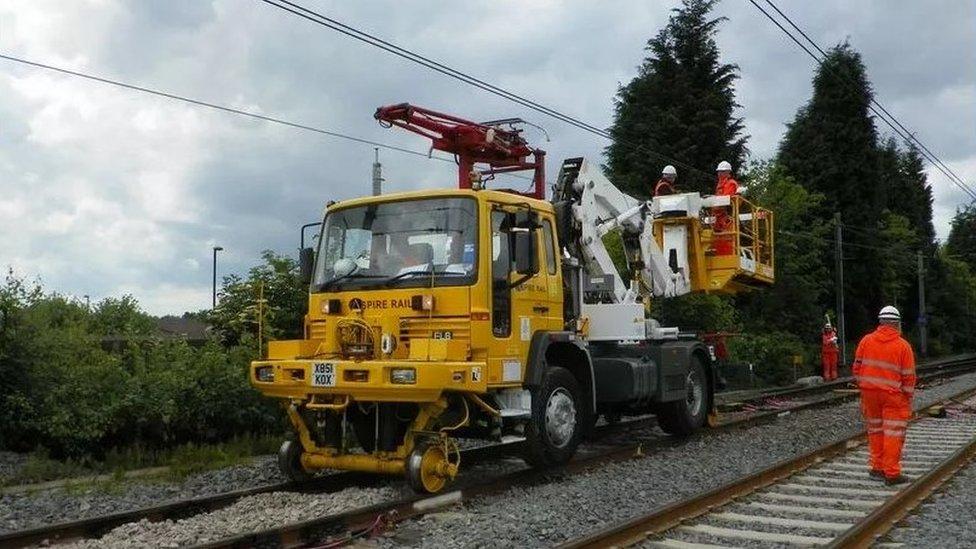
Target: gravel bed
{"points": [[543, 515], [263, 511], [945, 519], [251, 514], [10, 464], [19, 511]]}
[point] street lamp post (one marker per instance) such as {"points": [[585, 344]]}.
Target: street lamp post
{"points": [[215, 250]]}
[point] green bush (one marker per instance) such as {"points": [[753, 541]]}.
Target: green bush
{"points": [[80, 383], [771, 356]]}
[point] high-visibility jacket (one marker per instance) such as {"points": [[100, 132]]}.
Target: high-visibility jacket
{"points": [[726, 186], [663, 187], [828, 342], [885, 361]]}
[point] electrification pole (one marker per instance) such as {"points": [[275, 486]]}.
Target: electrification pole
{"points": [[377, 174], [922, 317], [215, 250], [839, 259]]}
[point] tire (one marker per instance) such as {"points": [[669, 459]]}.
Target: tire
{"points": [[683, 417], [290, 461], [558, 420]]}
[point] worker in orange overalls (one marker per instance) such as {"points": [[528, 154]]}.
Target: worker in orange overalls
{"points": [[884, 366], [829, 352], [725, 185], [665, 185]]}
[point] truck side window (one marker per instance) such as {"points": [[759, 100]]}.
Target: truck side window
{"points": [[547, 245], [501, 267]]}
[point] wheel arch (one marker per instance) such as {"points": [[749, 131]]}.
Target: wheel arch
{"points": [[566, 350], [700, 351]]}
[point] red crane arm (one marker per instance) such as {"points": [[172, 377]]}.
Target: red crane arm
{"points": [[503, 150]]}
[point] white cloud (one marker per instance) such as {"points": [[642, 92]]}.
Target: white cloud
{"points": [[104, 190]]}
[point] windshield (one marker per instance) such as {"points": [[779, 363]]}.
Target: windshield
{"points": [[398, 244]]}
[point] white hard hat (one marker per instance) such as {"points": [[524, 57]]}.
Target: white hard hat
{"points": [[889, 313], [669, 170], [724, 166]]}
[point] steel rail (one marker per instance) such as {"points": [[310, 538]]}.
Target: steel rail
{"points": [[862, 534], [948, 365], [96, 526], [882, 519], [345, 527], [174, 510]]}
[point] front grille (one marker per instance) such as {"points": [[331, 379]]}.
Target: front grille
{"points": [[438, 327], [317, 330]]}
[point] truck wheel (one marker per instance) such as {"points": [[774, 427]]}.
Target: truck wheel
{"points": [[554, 432], [290, 461], [684, 417]]}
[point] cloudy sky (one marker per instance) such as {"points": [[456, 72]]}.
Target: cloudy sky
{"points": [[105, 191]]}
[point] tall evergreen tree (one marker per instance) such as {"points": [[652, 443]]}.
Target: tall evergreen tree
{"points": [[962, 236], [916, 201], [831, 148], [681, 104]]}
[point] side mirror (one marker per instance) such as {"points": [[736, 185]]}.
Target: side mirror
{"points": [[306, 262], [526, 255]]}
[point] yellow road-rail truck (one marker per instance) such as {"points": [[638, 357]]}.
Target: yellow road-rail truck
{"points": [[494, 314]]}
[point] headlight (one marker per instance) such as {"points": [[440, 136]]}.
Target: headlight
{"points": [[264, 374], [403, 376]]}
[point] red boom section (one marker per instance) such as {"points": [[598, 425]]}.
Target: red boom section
{"points": [[502, 149]]}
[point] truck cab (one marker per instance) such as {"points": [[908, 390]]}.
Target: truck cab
{"points": [[427, 315]]}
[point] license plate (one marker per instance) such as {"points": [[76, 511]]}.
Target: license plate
{"points": [[323, 374]]}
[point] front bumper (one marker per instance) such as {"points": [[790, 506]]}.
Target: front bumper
{"points": [[368, 380]]}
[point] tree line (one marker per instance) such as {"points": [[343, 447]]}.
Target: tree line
{"points": [[831, 160], [63, 389]]}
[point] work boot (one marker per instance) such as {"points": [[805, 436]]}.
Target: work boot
{"points": [[877, 473], [900, 479]]}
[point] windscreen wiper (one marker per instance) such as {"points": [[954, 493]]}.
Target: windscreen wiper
{"points": [[401, 276], [329, 284]]}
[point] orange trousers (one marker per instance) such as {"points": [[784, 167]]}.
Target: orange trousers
{"points": [[722, 244], [829, 362], [886, 415]]}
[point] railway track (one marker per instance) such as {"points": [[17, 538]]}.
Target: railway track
{"points": [[824, 497], [771, 404], [366, 519], [933, 369]]}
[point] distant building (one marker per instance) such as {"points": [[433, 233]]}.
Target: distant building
{"points": [[178, 327], [191, 330]]}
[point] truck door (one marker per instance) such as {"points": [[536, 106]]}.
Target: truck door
{"points": [[516, 310]]}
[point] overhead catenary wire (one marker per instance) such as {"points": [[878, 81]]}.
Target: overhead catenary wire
{"points": [[231, 110], [934, 160], [362, 36], [874, 101], [224, 108]]}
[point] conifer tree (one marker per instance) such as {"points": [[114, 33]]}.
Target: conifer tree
{"points": [[681, 104], [831, 148]]}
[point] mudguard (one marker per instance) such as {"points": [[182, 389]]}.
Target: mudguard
{"points": [[538, 347]]}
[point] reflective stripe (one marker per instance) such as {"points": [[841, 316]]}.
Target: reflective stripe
{"points": [[874, 430], [895, 422], [883, 364], [908, 389], [880, 380], [875, 421], [893, 433]]}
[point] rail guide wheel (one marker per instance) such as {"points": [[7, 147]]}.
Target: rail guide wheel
{"points": [[430, 467], [290, 461]]}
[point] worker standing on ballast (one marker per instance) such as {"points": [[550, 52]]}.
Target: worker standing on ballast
{"points": [[884, 366], [829, 352], [666, 185], [725, 186]]}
